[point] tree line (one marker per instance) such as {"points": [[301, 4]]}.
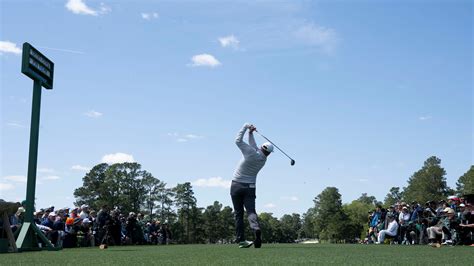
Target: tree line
{"points": [[127, 187]]}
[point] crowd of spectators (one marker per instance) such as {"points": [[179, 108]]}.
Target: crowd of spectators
{"points": [[444, 222], [84, 227]]}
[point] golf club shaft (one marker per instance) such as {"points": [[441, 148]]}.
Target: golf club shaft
{"points": [[274, 145]]}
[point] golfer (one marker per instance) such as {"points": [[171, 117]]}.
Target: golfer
{"points": [[242, 189]]}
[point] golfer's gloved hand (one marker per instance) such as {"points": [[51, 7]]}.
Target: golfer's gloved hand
{"points": [[252, 128]]}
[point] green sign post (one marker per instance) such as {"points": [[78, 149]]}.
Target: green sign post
{"points": [[39, 68]]}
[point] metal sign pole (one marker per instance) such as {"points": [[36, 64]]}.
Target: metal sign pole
{"points": [[39, 68], [33, 154]]}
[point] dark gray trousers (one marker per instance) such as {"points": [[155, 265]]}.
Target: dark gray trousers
{"points": [[243, 195]]}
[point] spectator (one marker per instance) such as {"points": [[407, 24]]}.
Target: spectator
{"points": [[59, 225], [404, 219], [155, 228], [74, 213], [460, 211], [37, 216], [70, 237], [391, 230], [85, 211], [115, 226], [103, 220], [166, 234], [50, 221], [85, 236], [375, 220], [443, 228], [16, 220], [466, 228]]}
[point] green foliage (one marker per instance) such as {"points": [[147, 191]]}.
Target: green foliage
{"points": [[186, 203], [370, 200], [213, 224], [291, 226], [357, 213], [428, 183], [330, 218], [117, 185], [393, 196], [308, 227], [465, 183], [270, 226]]}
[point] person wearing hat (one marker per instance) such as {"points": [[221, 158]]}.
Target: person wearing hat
{"points": [[84, 211], [16, 220], [70, 238], [74, 213], [443, 228], [404, 219], [50, 221], [391, 230], [85, 236], [37, 216], [460, 211], [243, 187]]}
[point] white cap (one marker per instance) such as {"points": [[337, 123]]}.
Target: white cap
{"points": [[267, 146]]}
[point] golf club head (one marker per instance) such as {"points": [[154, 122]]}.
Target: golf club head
{"points": [[292, 162]]}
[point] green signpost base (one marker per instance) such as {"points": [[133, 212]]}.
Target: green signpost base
{"points": [[28, 239]]}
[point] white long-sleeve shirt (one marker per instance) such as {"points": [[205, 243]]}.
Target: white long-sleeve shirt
{"points": [[392, 227], [252, 161]]}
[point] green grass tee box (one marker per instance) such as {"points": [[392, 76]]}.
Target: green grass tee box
{"points": [[274, 254]]}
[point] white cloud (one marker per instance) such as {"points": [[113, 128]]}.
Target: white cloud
{"points": [[229, 41], [9, 47], [185, 138], [80, 7], [315, 35], [117, 158], [291, 198], [6, 186], [51, 177], [192, 136], [423, 118], [45, 170], [212, 182], [204, 60], [80, 168], [16, 178], [14, 124], [104, 9], [269, 206], [150, 16], [93, 114]]}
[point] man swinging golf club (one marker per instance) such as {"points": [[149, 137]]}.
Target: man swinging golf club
{"points": [[242, 189]]}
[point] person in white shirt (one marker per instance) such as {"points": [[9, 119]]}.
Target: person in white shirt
{"points": [[85, 211], [391, 230], [404, 219]]}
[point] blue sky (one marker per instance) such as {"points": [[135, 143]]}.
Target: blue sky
{"points": [[359, 93]]}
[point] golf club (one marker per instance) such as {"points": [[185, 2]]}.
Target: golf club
{"points": [[292, 161]]}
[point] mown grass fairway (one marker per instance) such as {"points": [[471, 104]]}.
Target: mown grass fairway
{"points": [[277, 254]]}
